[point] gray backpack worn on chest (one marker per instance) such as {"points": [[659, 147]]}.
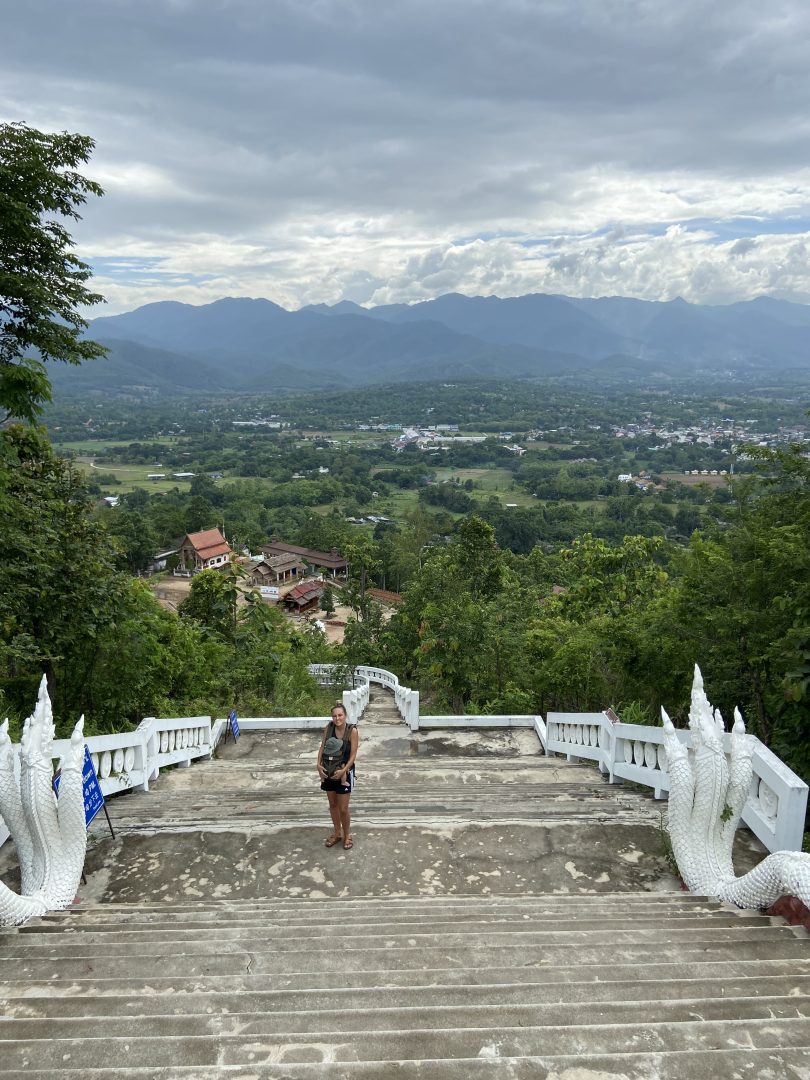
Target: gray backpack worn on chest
{"points": [[334, 752]]}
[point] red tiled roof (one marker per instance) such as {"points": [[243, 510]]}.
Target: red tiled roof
{"points": [[385, 596], [209, 543], [305, 591]]}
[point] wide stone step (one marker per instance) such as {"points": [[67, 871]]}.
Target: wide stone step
{"points": [[487, 935], [88, 981], [143, 999], [459, 905], [212, 958], [235, 926], [318, 1024], [224, 1049], [747, 1064]]}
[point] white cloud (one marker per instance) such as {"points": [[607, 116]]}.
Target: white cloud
{"points": [[317, 151]]}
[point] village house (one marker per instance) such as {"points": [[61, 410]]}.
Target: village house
{"points": [[304, 597], [277, 569], [204, 550], [331, 562]]}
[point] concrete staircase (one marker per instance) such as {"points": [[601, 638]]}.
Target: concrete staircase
{"points": [[600, 986], [501, 915]]}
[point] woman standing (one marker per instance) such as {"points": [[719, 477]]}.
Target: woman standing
{"points": [[340, 784]]}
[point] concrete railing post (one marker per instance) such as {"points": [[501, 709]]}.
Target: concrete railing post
{"points": [[413, 710], [789, 829]]}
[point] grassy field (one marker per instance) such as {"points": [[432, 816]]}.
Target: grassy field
{"points": [[488, 482], [398, 503], [98, 446], [693, 481], [130, 477], [87, 456]]}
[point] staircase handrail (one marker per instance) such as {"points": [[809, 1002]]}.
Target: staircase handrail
{"points": [[776, 807], [131, 760], [406, 699]]}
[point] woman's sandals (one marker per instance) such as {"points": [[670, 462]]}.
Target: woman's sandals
{"points": [[348, 843], [332, 840]]}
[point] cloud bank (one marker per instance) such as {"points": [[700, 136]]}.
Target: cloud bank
{"points": [[316, 150]]}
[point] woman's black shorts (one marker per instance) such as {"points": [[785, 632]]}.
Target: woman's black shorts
{"points": [[341, 787]]}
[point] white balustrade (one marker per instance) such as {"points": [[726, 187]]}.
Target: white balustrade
{"points": [[407, 700], [130, 760], [775, 811]]}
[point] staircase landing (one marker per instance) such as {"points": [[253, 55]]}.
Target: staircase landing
{"points": [[502, 915]]}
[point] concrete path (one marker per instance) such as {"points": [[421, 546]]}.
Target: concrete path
{"points": [[502, 914]]}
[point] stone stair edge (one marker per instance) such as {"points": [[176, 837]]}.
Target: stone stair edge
{"points": [[636, 1065], [469, 1012], [569, 936], [564, 899], [189, 963], [181, 926], [417, 996], [609, 1040], [362, 979]]}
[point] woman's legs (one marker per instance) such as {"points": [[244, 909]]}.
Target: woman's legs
{"points": [[343, 815], [334, 811]]}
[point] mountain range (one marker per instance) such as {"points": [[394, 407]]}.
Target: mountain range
{"points": [[240, 345]]}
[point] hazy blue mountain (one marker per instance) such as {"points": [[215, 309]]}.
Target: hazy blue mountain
{"points": [[254, 345], [535, 321], [244, 323], [135, 368], [241, 344], [768, 332]]}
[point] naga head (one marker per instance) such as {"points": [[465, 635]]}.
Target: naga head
{"points": [[6, 751], [739, 723], [73, 758], [37, 739], [675, 750], [705, 723]]}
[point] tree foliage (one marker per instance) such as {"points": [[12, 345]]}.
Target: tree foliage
{"points": [[43, 284]]}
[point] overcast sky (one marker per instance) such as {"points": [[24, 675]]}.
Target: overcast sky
{"points": [[394, 150]]}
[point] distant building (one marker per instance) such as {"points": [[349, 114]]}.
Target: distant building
{"points": [[385, 596], [331, 561], [159, 560], [304, 597], [204, 550], [275, 569]]}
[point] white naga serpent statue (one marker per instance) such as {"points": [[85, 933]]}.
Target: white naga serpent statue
{"points": [[706, 798], [50, 834]]}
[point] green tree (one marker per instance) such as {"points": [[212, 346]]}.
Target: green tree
{"points": [[212, 601], [361, 554], [135, 536], [42, 283], [450, 632], [67, 611], [328, 601]]}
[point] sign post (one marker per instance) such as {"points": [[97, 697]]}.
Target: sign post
{"points": [[232, 726], [93, 796]]}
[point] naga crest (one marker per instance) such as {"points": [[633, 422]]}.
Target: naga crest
{"points": [[707, 795], [50, 834]]}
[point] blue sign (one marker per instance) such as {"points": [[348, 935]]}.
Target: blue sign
{"points": [[93, 798], [234, 723]]}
